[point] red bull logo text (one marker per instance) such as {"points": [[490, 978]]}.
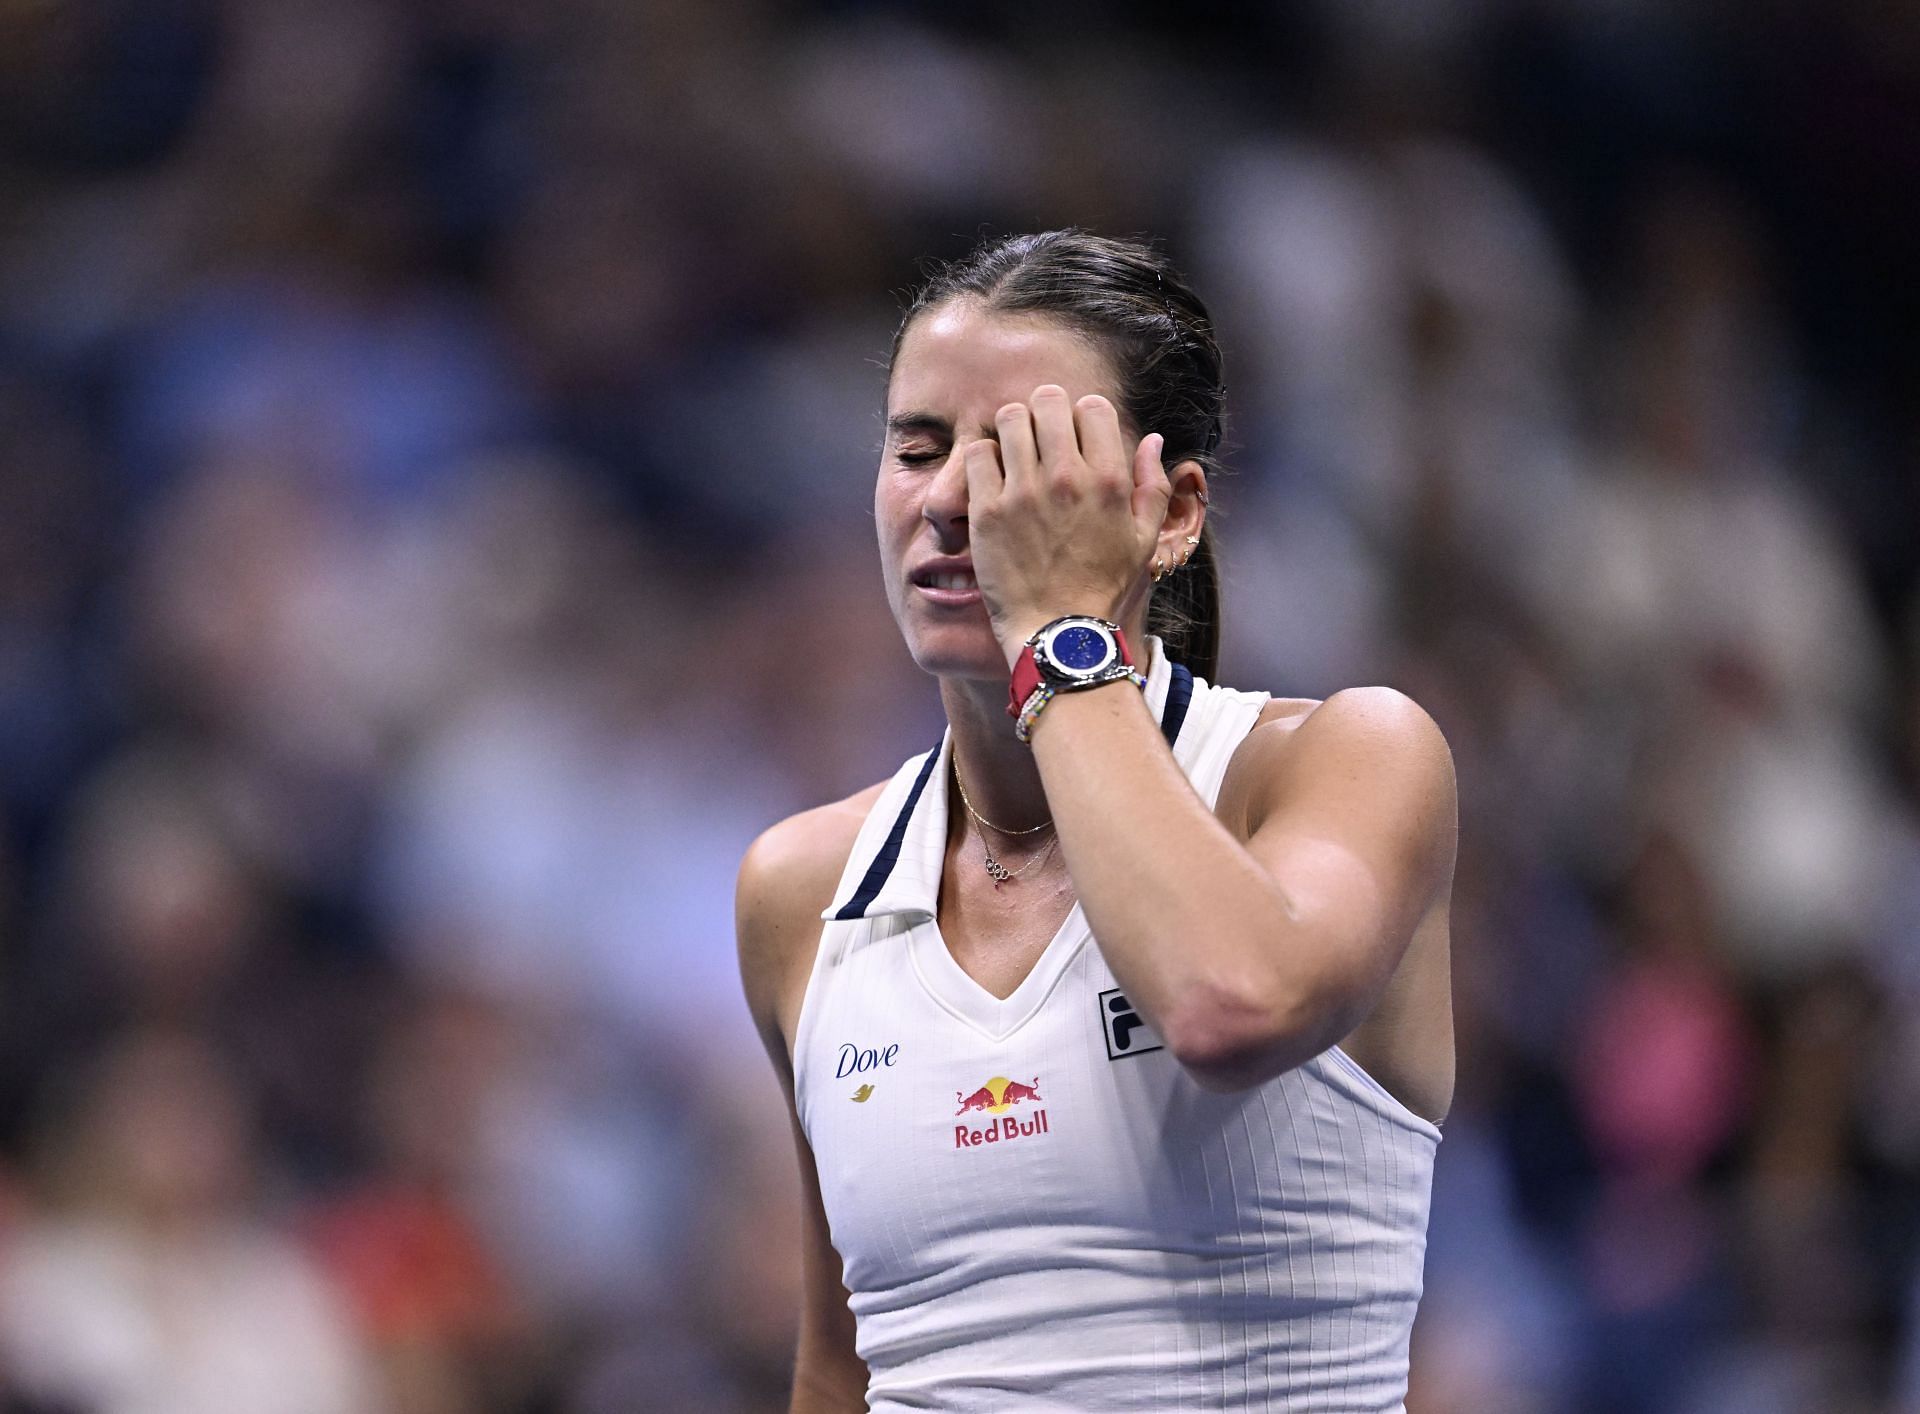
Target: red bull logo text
{"points": [[996, 1097]]}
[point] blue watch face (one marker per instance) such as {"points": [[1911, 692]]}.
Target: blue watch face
{"points": [[1078, 648]]}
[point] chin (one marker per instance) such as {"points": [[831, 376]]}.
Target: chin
{"points": [[951, 652]]}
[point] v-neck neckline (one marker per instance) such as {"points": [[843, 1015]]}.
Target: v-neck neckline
{"points": [[961, 993], [1169, 692]]}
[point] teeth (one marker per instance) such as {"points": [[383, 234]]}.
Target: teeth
{"points": [[950, 581]]}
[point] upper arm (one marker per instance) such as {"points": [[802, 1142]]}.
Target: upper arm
{"points": [[765, 924], [828, 1375], [786, 879], [1353, 815]]}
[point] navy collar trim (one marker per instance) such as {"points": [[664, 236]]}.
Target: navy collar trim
{"points": [[919, 836], [889, 855]]}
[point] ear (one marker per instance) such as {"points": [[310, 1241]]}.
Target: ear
{"points": [[1186, 512]]}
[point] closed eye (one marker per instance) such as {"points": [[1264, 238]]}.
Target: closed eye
{"points": [[920, 458]]}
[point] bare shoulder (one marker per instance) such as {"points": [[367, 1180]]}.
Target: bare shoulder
{"points": [[1377, 719], [1374, 733], [787, 878]]}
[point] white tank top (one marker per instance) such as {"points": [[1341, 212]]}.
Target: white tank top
{"points": [[1036, 1207]]}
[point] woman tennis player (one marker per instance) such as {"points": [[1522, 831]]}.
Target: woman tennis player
{"points": [[1117, 1026]]}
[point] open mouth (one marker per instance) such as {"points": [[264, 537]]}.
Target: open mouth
{"points": [[953, 579], [947, 585]]}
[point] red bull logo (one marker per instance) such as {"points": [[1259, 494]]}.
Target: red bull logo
{"points": [[996, 1097]]}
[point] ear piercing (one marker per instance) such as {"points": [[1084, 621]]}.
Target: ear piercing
{"points": [[1193, 542]]}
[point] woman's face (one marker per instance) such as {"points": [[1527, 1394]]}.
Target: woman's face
{"points": [[957, 366]]}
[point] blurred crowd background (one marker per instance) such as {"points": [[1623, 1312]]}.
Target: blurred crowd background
{"points": [[436, 450]]}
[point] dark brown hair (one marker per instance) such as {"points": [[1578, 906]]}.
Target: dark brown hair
{"points": [[1128, 299]]}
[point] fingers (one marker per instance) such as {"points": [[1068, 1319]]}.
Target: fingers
{"points": [[1152, 489], [1049, 440], [1098, 426], [1147, 470], [985, 476], [1019, 456], [1053, 428]]}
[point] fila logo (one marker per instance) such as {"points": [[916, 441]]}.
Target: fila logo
{"points": [[1127, 1031]]}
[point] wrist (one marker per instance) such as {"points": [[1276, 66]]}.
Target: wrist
{"points": [[1014, 641], [1045, 695], [1066, 654]]}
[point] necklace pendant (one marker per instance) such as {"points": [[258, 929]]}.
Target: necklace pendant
{"points": [[999, 871]]}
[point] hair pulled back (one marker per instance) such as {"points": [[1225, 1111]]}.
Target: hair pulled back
{"points": [[1127, 299]]}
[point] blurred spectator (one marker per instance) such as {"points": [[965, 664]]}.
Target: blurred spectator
{"points": [[147, 1284], [429, 1293]]}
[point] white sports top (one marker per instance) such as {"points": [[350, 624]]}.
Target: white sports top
{"points": [[1039, 1210]]}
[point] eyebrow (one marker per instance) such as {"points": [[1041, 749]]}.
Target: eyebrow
{"points": [[907, 424]]}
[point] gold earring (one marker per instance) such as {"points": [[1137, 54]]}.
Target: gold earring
{"points": [[1158, 573], [1193, 540]]}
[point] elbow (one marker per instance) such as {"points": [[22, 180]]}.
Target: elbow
{"points": [[1230, 1043], [1228, 1069], [1234, 1041]]}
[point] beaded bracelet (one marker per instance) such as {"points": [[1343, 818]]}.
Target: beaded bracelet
{"points": [[1038, 698], [1042, 695]]}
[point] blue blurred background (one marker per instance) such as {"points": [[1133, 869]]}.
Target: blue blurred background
{"points": [[436, 445]]}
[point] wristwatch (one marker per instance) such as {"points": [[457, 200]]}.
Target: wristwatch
{"points": [[1072, 652]]}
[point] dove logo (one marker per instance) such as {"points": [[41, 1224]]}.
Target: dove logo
{"points": [[863, 1094], [855, 1060]]}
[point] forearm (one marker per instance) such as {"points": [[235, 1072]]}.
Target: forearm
{"points": [[1192, 926]]}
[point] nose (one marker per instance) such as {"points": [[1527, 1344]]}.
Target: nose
{"points": [[945, 506]]}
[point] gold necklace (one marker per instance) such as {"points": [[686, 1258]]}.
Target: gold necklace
{"points": [[999, 871]]}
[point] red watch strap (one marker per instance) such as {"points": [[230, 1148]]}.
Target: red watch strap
{"points": [[1027, 676]]}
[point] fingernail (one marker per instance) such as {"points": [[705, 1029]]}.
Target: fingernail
{"points": [[1159, 444]]}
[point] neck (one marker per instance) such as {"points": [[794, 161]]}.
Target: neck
{"points": [[1002, 780]]}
